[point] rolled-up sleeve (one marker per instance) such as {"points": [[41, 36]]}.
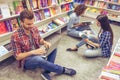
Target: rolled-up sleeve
{"points": [[15, 46]]}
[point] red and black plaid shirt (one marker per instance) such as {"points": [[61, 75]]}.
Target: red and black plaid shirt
{"points": [[20, 41]]}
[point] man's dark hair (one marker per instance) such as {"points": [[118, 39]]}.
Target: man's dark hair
{"points": [[26, 14]]}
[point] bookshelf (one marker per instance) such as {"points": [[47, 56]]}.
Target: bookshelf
{"points": [[108, 7], [39, 11], [112, 70]]}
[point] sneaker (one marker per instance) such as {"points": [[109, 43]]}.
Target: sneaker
{"points": [[69, 71], [45, 76]]}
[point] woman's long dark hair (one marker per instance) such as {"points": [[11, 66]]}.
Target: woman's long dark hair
{"points": [[104, 22]]}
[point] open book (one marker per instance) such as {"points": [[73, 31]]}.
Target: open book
{"points": [[87, 23]]}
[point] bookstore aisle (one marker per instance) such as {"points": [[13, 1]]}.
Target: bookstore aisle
{"points": [[87, 68]]}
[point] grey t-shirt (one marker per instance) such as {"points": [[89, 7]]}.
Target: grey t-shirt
{"points": [[31, 41], [74, 19]]}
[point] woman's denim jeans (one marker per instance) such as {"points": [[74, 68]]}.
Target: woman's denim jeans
{"points": [[75, 31], [37, 61], [82, 42]]}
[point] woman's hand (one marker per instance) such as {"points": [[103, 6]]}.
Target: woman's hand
{"points": [[91, 43], [86, 40]]}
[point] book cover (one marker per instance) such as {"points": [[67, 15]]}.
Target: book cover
{"points": [[31, 4], [54, 2], [14, 24], [37, 16], [71, 6], [49, 2], [11, 8], [59, 1], [108, 76], [18, 6], [3, 28], [8, 25], [113, 67], [52, 25], [3, 51], [35, 4], [4, 10], [44, 3], [47, 13], [58, 22], [39, 4], [53, 11], [8, 46], [62, 19], [42, 15], [117, 54], [67, 7], [26, 4], [63, 8]]}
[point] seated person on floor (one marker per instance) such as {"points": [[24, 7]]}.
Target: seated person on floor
{"points": [[26, 43], [74, 27], [105, 39]]}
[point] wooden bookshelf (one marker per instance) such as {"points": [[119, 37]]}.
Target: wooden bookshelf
{"points": [[5, 56], [112, 74]]}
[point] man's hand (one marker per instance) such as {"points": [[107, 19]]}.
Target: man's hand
{"points": [[38, 51], [47, 45]]}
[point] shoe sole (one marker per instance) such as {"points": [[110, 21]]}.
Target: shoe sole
{"points": [[43, 77]]}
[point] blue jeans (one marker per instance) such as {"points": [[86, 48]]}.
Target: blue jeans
{"points": [[82, 42], [75, 31], [36, 61]]}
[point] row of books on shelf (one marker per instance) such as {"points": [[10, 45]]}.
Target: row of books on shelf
{"points": [[112, 70], [8, 9], [93, 1], [106, 5], [12, 24], [49, 12], [117, 1], [55, 23], [101, 4], [9, 25], [94, 11], [37, 4], [45, 13]]}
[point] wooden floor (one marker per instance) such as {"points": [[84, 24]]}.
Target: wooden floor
{"points": [[87, 68]]}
